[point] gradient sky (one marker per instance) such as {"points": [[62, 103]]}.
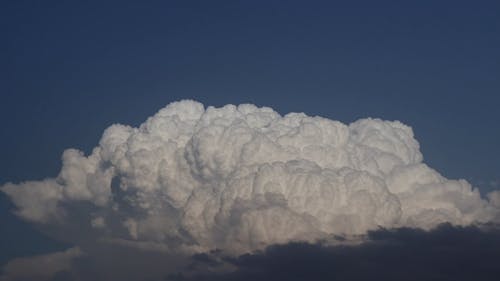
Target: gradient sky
{"points": [[69, 70]]}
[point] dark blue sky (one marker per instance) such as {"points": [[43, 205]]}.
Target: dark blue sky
{"points": [[70, 69]]}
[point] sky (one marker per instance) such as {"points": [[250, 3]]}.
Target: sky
{"points": [[70, 70]]}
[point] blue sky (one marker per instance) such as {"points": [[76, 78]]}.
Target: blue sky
{"points": [[70, 70]]}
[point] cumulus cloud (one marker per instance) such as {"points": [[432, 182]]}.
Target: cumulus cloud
{"points": [[239, 178]]}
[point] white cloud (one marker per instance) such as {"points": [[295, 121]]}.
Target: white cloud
{"points": [[240, 178]]}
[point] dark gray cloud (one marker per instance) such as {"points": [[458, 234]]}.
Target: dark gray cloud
{"points": [[445, 253]]}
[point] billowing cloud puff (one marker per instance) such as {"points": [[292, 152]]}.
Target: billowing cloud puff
{"points": [[239, 178]]}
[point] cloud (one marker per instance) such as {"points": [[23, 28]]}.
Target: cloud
{"points": [[445, 253], [42, 267], [240, 178]]}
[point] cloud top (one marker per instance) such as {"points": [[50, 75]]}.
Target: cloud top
{"points": [[240, 178]]}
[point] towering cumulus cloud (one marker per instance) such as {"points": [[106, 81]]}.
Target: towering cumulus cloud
{"points": [[239, 178]]}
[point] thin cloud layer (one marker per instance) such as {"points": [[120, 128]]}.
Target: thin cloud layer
{"points": [[42, 267], [240, 178]]}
